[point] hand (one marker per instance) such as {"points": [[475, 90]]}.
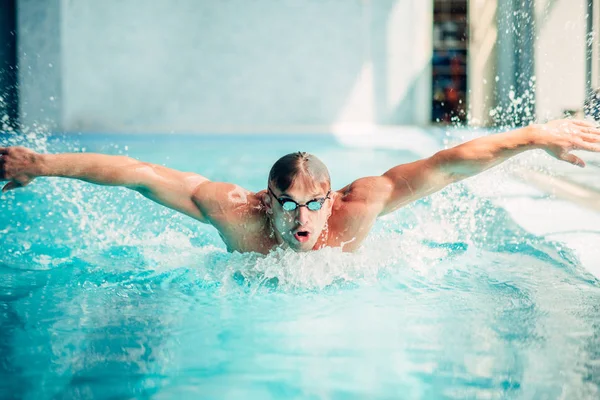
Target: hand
{"points": [[560, 137], [19, 166]]}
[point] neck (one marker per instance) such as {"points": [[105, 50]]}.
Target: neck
{"points": [[322, 240], [275, 235]]}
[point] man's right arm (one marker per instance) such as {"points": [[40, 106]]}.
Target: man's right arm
{"points": [[171, 188], [406, 183]]}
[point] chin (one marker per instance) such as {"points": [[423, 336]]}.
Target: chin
{"points": [[304, 249], [301, 247]]}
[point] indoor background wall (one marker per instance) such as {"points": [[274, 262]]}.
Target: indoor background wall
{"points": [[234, 65], [560, 56]]}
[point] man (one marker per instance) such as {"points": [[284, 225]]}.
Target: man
{"points": [[298, 209]]}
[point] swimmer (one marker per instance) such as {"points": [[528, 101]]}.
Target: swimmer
{"points": [[298, 209]]}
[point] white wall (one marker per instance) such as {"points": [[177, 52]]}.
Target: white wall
{"points": [[229, 65], [483, 35], [39, 62], [560, 56]]}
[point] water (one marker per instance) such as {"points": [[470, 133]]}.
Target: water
{"points": [[104, 294]]}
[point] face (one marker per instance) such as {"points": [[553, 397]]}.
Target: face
{"points": [[299, 229]]}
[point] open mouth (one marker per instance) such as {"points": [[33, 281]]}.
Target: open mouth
{"points": [[302, 236]]}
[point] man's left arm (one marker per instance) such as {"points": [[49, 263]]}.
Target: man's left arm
{"points": [[406, 183]]}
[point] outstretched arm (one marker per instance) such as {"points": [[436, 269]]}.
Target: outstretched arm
{"points": [[168, 187], [408, 182]]}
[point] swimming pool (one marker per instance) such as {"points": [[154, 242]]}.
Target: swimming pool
{"points": [[104, 294]]}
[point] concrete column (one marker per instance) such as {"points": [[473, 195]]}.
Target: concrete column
{"points": [[9, 99], [560, 54], [590, 40], [483, 34], [515, 87], [594, 43], [39, 59]]}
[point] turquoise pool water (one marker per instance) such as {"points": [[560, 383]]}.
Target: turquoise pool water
{"points": [[104, 294]]}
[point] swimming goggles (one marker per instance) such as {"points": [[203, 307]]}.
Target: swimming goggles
{"points": [[291, 205]]}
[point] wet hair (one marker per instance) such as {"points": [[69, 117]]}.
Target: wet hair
{"points": [[288, 167]]}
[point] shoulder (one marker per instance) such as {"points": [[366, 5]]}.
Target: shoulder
{"points": [[238, 215], [222, 200], [362, 199], [368, 191]]}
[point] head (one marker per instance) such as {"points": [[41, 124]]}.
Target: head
{"points": [[301, 178]]}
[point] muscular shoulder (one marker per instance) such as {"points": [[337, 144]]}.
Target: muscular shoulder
{"points": [[236, 213], [362, 200], [370, 192], [354, 211], [221, 201]]}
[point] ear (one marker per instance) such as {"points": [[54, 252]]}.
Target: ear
{"points": [[330, 205], [267, 202]]}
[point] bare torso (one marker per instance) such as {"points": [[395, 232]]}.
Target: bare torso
{"points": [[247, 227]]}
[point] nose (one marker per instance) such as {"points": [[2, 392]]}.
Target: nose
{"points": [[302, 215]]}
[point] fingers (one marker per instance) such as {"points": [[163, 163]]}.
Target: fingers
{"points": [[591, 131], [590, 138], [573, 159], [589, 146], [583, 123], [10, 186]]}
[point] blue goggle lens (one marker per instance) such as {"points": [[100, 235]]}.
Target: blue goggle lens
{"points": [[289, 206], [314, 205]]}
